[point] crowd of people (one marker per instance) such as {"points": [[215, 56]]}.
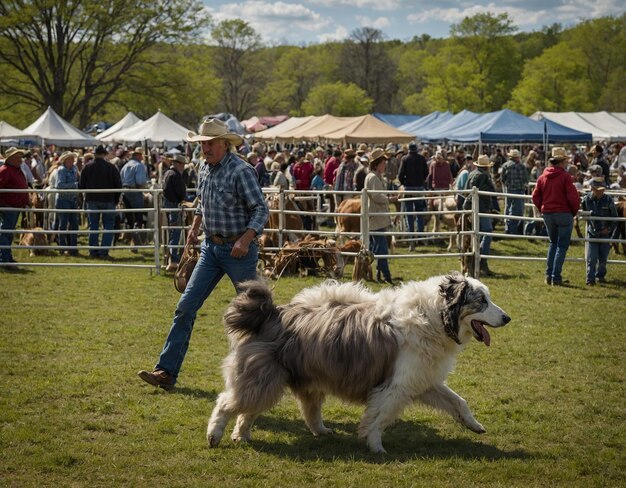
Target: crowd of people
{"points": [[410, 167]]}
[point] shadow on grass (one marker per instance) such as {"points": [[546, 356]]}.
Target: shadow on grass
{"points": [[195, 392], [404, 441]]}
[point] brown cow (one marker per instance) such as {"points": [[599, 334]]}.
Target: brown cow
{"points": [[291, 221]]}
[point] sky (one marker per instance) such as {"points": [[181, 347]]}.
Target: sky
{"points": [[303, 22]]}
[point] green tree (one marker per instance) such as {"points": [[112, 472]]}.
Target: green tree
{"points": [[339, 99], [602, 45], [492, 57], [75, 55], [238, 65], [554, 82]]}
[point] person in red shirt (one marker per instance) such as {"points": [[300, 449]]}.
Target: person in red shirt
{"points": [[330, 171], [11, 177], [302, 172], [557, 199]]}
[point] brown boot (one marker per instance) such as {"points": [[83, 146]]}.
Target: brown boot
{"points": [[159, 378]]}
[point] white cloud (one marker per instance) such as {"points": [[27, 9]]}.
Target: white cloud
{"points": [[379, 23], [273, 20], [340, 34], [361, 4]]}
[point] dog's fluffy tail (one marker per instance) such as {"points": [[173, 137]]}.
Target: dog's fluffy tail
{"points": [[250, 309]]}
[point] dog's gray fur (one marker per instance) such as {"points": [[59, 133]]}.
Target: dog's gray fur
{"points": [[383, 349]]}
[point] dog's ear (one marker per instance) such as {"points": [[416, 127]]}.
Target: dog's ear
{"points": [[453, 289]]}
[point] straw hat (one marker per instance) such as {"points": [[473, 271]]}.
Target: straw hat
{"points": [[483, 161], [377, 154], [214, 129], [349, 153], [559, 154], [11, 152], [67, 154], [362, 149], [514, 153]]}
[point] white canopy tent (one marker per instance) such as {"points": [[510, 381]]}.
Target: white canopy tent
{"points": [[603, 126], [158, 129], [9, 133], [50, 128], [129, 120]]}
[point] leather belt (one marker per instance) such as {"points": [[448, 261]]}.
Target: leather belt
{"points": [[220, 239]]}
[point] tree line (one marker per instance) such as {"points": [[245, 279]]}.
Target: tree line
{"points": [[98, 60]]}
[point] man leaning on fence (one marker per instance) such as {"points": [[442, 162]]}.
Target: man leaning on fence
{"points": [[232, 213], [99, 174]]}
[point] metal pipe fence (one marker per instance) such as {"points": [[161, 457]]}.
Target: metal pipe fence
{"points": [[155, 232]]}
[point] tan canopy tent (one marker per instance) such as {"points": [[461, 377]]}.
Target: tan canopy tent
{"points": [[272, 133], [346, 130]]}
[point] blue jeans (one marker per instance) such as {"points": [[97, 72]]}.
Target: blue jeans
{"points": [[485, 225], [9, 221], [559, 227], [67, 221], [174, 219], [378, 245], [414, 206], [597, 255], [515, 206], [215, 261], [108, 223]]}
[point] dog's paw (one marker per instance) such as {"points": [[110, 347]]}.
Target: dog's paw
{"points": [[478, 428], [213, 440], [323, 431], [241, 438]]}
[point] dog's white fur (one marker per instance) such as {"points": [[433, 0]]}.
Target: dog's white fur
{"points": [[385, 349]]}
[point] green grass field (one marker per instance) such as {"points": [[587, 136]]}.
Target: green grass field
{"points": [[550, 390]]}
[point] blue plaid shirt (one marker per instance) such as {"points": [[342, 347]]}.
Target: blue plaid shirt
{"points": [[231, 200], [514, 176]]}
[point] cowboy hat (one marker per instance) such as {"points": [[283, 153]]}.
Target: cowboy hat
{"points": [[67, 154], [483, 161], [175, 158], [100, 150], [559, 154], [362, 149], [349, 153], [598, 183], [514, 153], [214, 129], [377, 154], [13, 151]]}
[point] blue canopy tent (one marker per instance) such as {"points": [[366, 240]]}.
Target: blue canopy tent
{"points": [[438, 132], [418, 125], [506, 126], [396, 120]]}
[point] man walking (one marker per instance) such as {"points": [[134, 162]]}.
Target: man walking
{"points": [[232, 213], [412, 174]]}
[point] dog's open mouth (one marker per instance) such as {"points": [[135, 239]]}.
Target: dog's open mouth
{"points": [[480, 333]]}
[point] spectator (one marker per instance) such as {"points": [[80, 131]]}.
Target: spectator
{"points": [[514, 179], [345, 175], [361, 172], [378, 203], [330, 170], [412, 175], [557, 199], [597, 252], [174, 194], [600, 159], [460, 183], [481, 179], [11, 177], [67, 179], [439, 173], [134, 176], [232, 213], [96, 175]]}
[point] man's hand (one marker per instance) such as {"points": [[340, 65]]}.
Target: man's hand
{"points": [[241, 245]]}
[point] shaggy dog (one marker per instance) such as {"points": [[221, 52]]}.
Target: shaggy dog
{"points": [[36, 241], [384, 350]]}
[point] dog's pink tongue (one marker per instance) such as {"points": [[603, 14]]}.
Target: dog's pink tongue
{"points": [[484, 334]]}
